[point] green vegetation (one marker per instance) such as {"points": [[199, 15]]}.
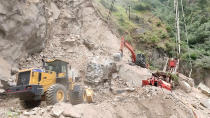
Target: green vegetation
{"points": [[197, 16], [153, 23]]}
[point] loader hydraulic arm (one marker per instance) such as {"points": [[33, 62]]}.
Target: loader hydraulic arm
{"points": [[130, 48]]}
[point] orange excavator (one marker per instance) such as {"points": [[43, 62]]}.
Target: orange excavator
{"points": [[138, 59]]}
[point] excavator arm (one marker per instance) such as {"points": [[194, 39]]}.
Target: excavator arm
{"points": [[130, 48]]}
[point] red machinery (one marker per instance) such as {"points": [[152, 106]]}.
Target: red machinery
{"points": [[138, 59], [158, 80], [130, 48]]}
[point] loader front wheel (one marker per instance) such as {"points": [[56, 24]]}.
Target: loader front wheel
{"points": [[77, 95], [56, 93]]}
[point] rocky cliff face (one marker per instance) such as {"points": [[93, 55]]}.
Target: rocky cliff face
{"points": [[24, 29]]}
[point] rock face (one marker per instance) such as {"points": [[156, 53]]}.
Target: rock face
{"points": [[24, 28], [21, 24]]}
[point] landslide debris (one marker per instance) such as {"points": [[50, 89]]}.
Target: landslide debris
{"points": [[84, 40]]}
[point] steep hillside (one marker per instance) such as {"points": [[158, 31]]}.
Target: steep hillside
{"points": [[78, 32], [150, 27]]}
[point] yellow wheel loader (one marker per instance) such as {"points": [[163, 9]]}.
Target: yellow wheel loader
{"points": [[52, 85]]}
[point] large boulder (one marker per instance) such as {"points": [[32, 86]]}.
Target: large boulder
{"points": [[133, 75], [190, 81], [206, 103], [204, 89], [99, 70], [185, 86]]}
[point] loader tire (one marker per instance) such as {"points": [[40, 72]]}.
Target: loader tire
{"points": [[56, 93], [30, 104], [77, 95]]}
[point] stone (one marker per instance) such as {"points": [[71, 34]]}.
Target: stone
{"points": [[55, 12], [190, 81], [25, 113], [115, 76], [1, 85], [133, 75], [71, 113], [14, 70], [117, 56], [70, 42], [205, 103], [33, 1], [89, 44], [204, 89], [116, 91], [185, 86], [2, 90], [57, 110], [49, 108]]}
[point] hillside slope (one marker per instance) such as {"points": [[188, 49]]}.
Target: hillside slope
{"points": [[80, 35]]}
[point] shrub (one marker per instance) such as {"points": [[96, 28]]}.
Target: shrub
{"points": [[158, 24], [142, 7], [107, 5]]}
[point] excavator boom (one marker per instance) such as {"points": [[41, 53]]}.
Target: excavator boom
{"points": [[130, 48]]}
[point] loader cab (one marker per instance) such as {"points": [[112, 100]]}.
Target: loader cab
{"points": [[58, 66]]}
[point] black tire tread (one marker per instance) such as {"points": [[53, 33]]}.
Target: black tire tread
{"points": [[76, 95], [51, 94]]}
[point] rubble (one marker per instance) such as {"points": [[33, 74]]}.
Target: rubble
{"points": [[58, 109], [121, 90], [81, 35]]}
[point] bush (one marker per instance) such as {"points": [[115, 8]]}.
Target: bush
{"points": [[107, 5], [142, 7], [163, 35], [158, 24]]}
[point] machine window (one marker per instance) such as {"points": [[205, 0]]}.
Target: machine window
{"points": [[63, 69]]}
